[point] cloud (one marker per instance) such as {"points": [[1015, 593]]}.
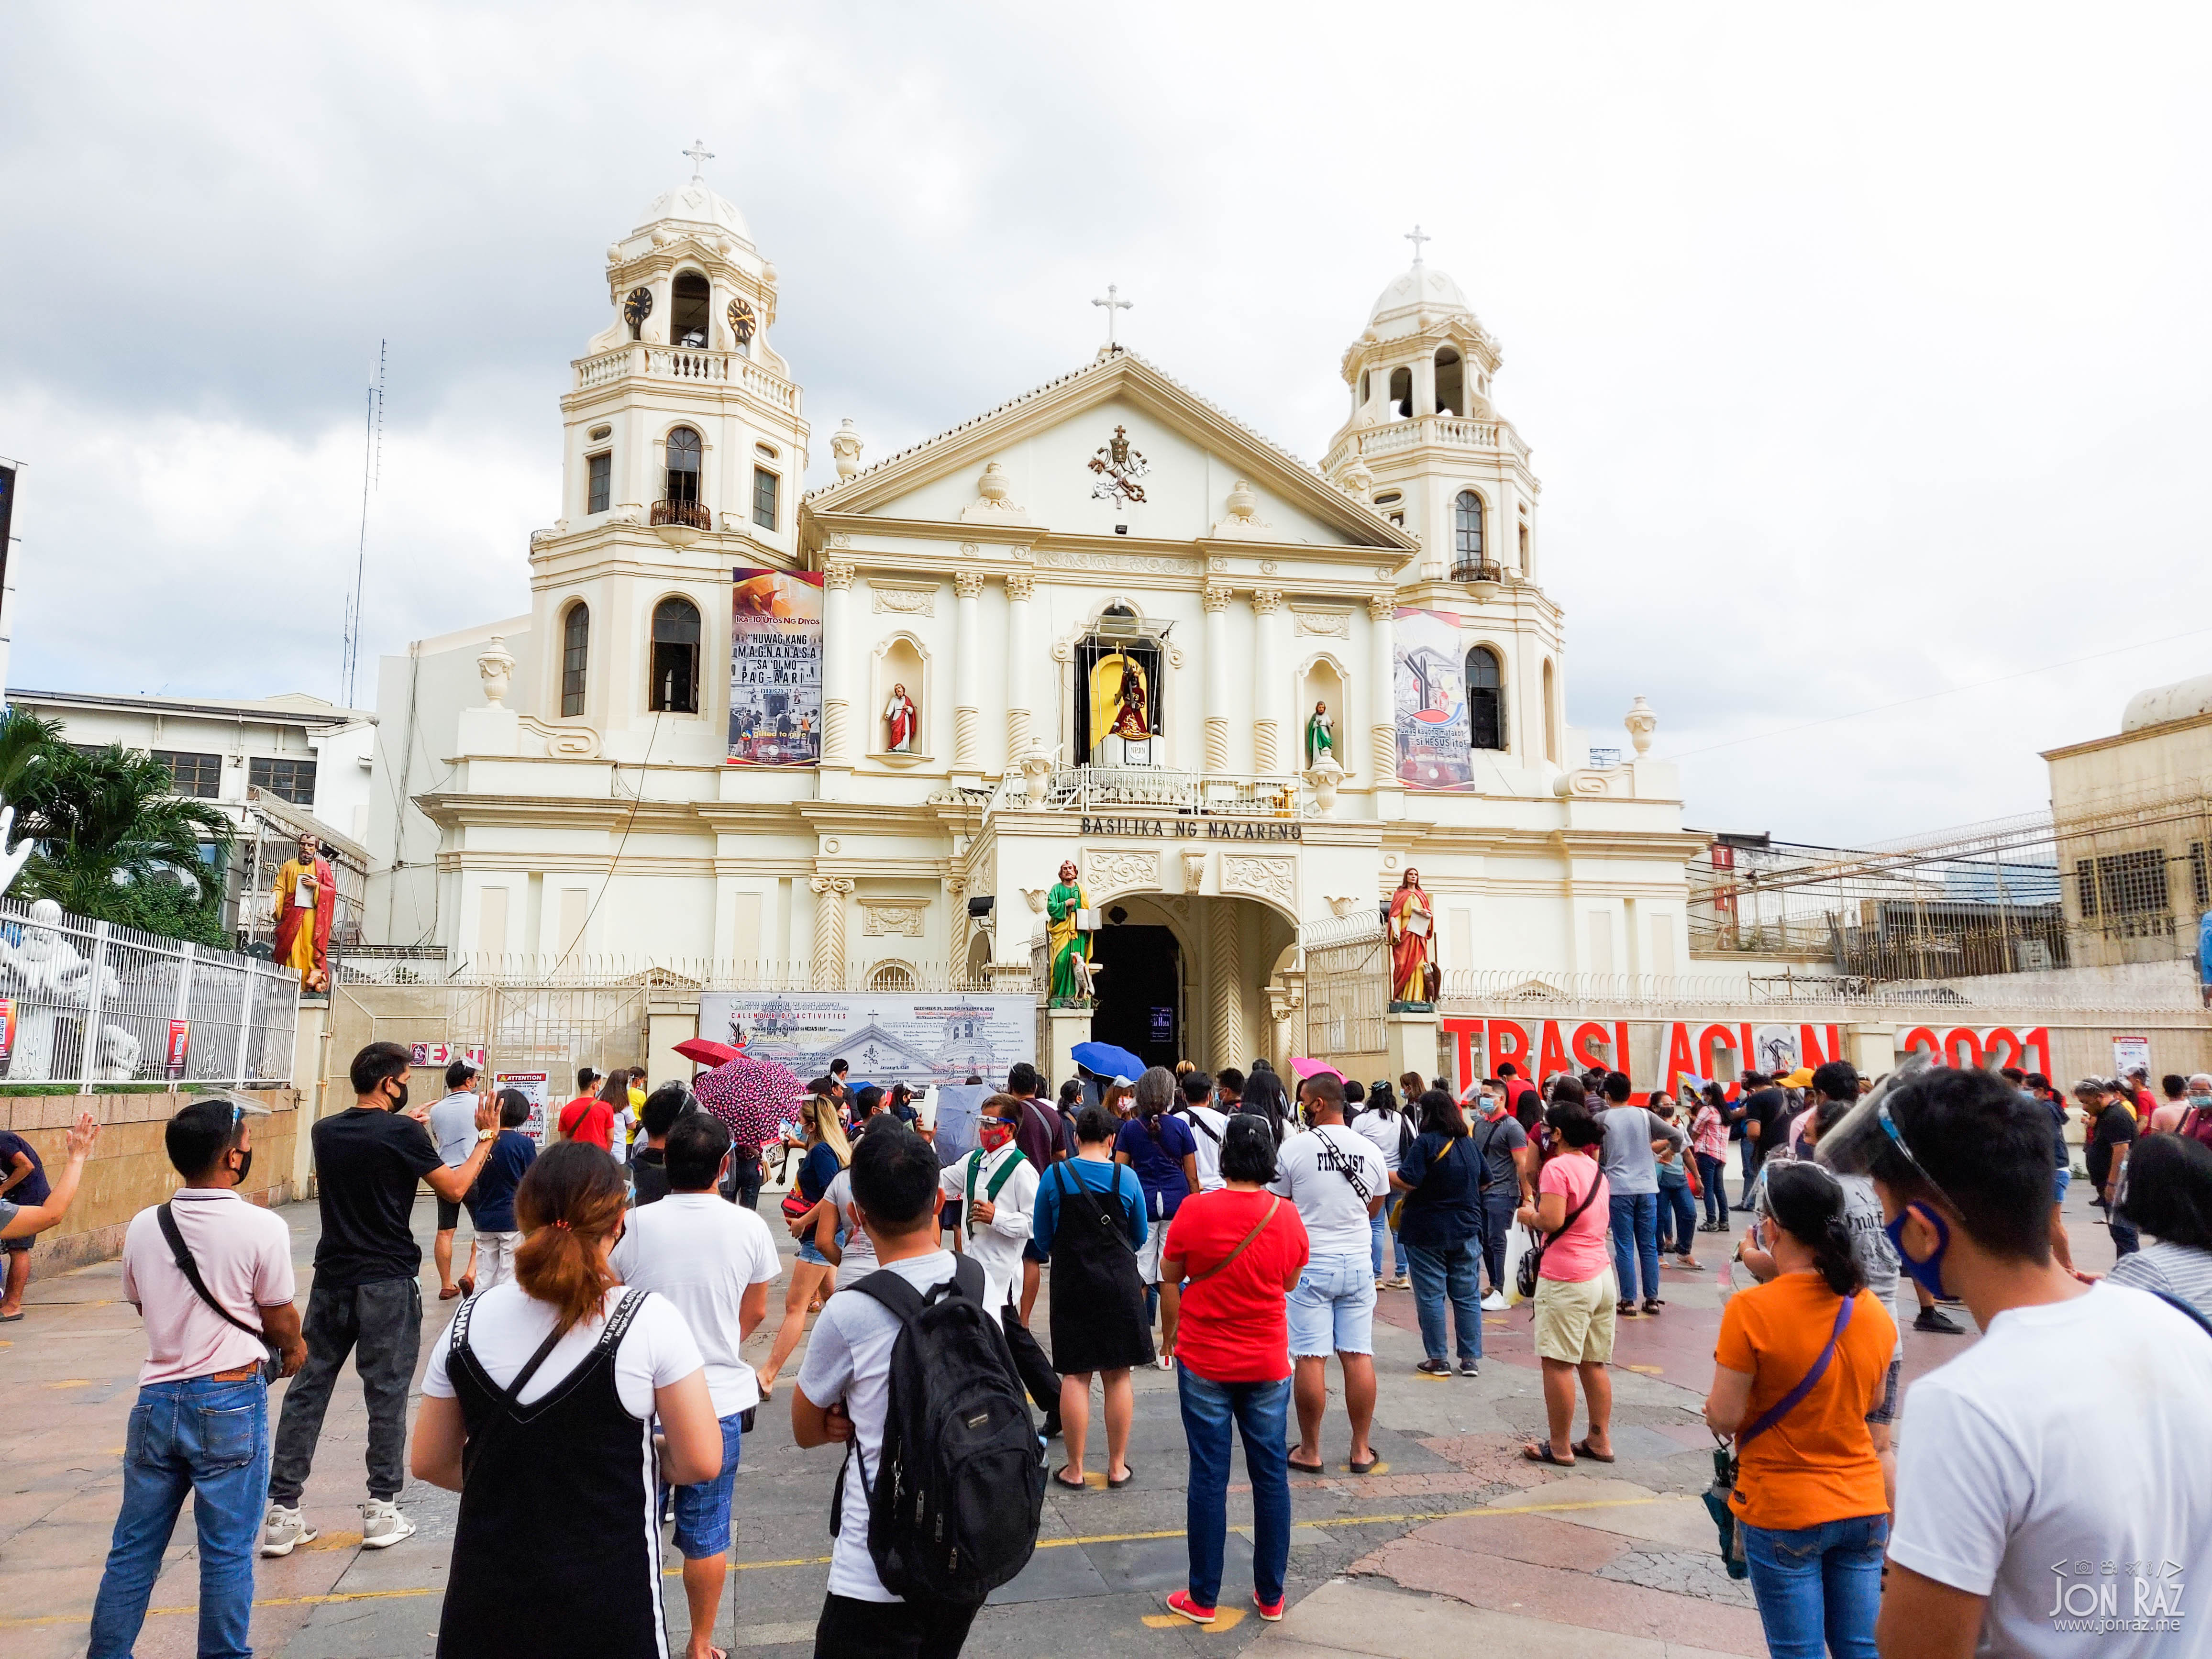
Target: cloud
{"points": [[1862, 353]]}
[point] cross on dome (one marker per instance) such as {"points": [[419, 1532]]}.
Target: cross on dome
{"points": [[700, 155], [1416, 236], [1113, 302]]}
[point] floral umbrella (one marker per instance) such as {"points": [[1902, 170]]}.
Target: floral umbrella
{"points": [[753, 1097]]}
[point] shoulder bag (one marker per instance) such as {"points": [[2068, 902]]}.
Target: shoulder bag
{"points": [[1532, 1260], [1726, 1464], [1274, 1203], [181, 1253]]}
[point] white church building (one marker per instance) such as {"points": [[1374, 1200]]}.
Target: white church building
{"points": [[844, 740]]}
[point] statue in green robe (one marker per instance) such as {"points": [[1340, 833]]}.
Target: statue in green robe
{"points": [[1320, 736], [1065, 942]]}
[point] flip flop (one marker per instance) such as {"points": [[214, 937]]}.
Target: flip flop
{"points": [[1540, 1452], [1307, 1468], [1368, 1467], [1582, 1449], [1068, 1485], [1128, 1473]]}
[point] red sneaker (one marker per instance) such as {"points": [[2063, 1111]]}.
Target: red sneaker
{"points": [[1180, 1602], [1270, 1611]]}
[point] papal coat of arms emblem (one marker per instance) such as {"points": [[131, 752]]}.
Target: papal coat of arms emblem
{"points": [[1118, 467]]}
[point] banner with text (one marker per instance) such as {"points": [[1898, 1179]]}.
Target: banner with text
{"points": [[775, 668], [885, 1037]]}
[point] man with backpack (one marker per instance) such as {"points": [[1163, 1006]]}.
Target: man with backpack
{"points": [[993, 1191], [926, 1521]]}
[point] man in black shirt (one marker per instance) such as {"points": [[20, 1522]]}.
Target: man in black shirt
{"points": [[1765, 1110], [2112, 1118], [366, 1299]]}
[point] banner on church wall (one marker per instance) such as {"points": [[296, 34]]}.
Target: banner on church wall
{"points": [[775, 668], [885, 1037], [1434, 744]]}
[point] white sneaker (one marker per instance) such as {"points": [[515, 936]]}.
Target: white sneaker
{"points": [[382, 1525], [284, 1531], [1494, 1302]]}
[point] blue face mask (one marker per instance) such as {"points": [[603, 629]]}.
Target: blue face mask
{"points": [[1927, 1274]]}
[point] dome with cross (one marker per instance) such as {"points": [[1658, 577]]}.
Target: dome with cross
{"points": [[1415, 296], [697, 203]]}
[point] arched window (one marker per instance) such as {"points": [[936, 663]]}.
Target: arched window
{"points": [[1485, 699], [679, 502], [674, 656], [1451, 382], [1402, 393], [689, 302], [575, 650], [1466, 537]]}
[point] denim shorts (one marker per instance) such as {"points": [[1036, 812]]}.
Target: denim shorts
{"points": [[808, 1252], [1332, 1310], [2060, 1179], [702, 1512]]}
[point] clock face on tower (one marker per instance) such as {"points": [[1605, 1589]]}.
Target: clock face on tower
{"points": [[637, 305], [742, 321]]}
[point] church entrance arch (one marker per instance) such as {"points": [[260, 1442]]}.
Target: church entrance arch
{"points": [[1139, 969], [1185, 976]]}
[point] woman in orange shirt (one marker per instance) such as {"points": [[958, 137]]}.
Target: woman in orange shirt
{"points": [[1802, 1360]]}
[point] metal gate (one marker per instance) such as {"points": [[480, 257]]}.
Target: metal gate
{"points": [[1347, 965], [554, 1029]]}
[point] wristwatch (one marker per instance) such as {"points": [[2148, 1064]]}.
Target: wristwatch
{"points": [[486, 1134]]}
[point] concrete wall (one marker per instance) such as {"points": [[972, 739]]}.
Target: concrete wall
{"points": [[129, 1169]]}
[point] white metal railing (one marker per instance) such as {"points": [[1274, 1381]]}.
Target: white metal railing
{"points": [[1469, 990], [687, 363], [1089, 790], [682, 976], [90, 1003]]}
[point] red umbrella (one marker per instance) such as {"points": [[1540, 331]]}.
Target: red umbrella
{"points": [[751, 1095], [707, 1051]]}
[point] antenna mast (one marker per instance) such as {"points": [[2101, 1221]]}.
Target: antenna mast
{"points": [[372, 471]]}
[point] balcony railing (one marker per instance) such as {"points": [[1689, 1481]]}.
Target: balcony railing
{"points": [[691, 515], [687, 363], [1393, 437], [1109, 789], [1477, 570]]}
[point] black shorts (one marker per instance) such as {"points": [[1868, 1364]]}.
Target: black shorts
{"points": [[449, 1214]]}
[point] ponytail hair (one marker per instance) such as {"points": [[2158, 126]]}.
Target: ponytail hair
{"points": [[568, 1204], [1807, 1202]]}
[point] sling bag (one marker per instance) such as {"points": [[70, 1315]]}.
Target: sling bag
{"points": [[1532, 1259], [1726, 1464], [1274, 1204], [181, 1253]]}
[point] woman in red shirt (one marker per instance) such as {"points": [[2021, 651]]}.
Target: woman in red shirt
{"points": [[1232, 1256]]}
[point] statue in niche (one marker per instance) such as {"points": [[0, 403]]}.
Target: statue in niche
{"points": [[1413, 944], [900, 719], [1321, 735], [1118, 696]]}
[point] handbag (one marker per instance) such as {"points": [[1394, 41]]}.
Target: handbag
{"points": [[1532, 1260], [1727, 1464]]}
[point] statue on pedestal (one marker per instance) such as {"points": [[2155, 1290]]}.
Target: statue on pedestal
{"points": [[1412, 945], [305, 901], [45, 974], [1068, 946], [1321, 735], [901, 718]]}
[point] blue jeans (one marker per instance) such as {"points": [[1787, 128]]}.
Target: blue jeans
{"points": [[1636, 1238], [210, 1441], [1819, 1585], [2126, 1239], [1498, 1205], [1386, 1242], [1675, 1203], [1261, 1411], [1710, 1172], [1453, 1271]]}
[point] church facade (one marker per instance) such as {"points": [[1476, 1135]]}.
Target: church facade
{"points": [[848, 740]]}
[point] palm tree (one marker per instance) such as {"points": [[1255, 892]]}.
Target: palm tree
{"points": [[111, 840]]}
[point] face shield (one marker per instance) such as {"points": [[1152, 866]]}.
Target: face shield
{"points": [[1854, 1145]]}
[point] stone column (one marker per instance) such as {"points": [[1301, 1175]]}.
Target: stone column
{"points": [[839, 650], [1273, 656], [830, 893], [1217, 678], [966, 673], [1502, 542], [1019, 646], [1381, 708], [1425, 385]]}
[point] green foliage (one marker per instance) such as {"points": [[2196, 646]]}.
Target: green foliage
{"points": [[111, 842]]}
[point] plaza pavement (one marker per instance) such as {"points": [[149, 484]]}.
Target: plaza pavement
{"points": [[1454, 1542]]}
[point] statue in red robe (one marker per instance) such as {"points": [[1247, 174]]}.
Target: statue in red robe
{"points": [[900, 720], [1412, 940], [306, 899]]}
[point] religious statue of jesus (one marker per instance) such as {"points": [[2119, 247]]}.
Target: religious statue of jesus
{"points": [[1130, 723], [1412, 940], [900, 719], [305, 901], [1065, 939], [1320, 736]]}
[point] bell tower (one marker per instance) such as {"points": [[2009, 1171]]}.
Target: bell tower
{"points": [[1424, 445], [683, 450]]}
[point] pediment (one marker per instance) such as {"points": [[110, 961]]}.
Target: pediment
{"points": [[1041, 447]]}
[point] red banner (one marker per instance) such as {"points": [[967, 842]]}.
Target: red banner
{"points": [[180, 1040]]}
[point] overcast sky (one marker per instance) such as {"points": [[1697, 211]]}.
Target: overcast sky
{"points": [[1862, 357]]}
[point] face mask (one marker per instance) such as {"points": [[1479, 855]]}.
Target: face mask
{"points": [[399, 1100], [244, 1165], [995, 1134], [1927, 1274], [2202, 1103]]}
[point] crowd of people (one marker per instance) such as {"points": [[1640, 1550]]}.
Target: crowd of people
{"points": [[591, 1394]]}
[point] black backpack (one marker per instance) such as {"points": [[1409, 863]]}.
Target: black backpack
{"points": [[958, 1491]]}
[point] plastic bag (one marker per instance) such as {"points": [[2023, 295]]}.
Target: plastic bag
{"points": [[1519, 1241]]}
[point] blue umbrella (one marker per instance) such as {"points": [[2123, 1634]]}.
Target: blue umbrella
{"points": [[1107, 1061]]}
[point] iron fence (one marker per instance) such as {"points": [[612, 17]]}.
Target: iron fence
{"points": [[1348, 984], [889, 974], [91, 1003], [507, 1027]]}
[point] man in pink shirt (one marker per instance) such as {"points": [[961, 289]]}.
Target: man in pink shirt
{"points": [[200, 1429]]}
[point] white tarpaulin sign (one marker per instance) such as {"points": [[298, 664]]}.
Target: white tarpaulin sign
{"points": [[885, 1037], [534, 1086]]}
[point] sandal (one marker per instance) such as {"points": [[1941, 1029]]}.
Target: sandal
{"points": [[1582, 1449], [1539, 1451], [1652, 1304], [1368, 1467], [1128, 1473], [1077, 1484], [1306, 1468]]}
